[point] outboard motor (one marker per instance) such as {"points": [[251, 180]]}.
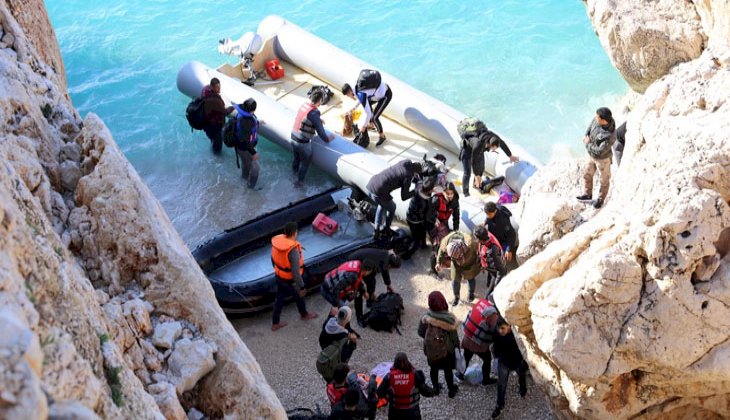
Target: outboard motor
{"points": [[245, 48]]}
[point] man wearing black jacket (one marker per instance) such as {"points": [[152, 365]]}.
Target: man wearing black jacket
{"points": [[498, 223], [382, 184], [247, 138], [510, 359]]}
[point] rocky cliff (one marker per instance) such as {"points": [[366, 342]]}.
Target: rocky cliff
{"points": [[103, 311], [624, 312]]}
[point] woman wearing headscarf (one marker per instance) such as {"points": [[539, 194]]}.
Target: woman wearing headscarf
{"points": [[460, 251], [439, 330]]}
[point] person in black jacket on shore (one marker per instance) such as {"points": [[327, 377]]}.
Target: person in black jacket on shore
{"points": [[499, 224], [382, 184], [384, 260], [510, 359], [421, 216]]}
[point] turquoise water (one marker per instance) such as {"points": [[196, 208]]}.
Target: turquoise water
{"points": [[532, 69]]}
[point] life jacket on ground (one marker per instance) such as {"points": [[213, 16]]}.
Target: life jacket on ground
{"points": [[405, 393], [473, 327], [253, 137], [443, 212], [336, 393], [484, 249], [303, 128], [333, 277], [281, 245]]}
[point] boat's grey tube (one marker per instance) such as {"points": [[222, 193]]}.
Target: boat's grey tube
{"points": [[341, 158], [410, 107]]}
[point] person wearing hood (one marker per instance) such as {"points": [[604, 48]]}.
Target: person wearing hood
{"points": [[247, 125], [438, 328], [459, 251], [479, 329], [382, 184], [338, 327], [338, 341], [421, 216], [599, 139]]}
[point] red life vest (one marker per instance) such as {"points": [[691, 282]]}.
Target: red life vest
{"points": [[333, 277], [303, 128], [443, 212], [472, 325], [484, 248], [335, 393], [405, 393]]}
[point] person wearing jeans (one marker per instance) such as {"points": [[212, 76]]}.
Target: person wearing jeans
{"points": [[384, 183], [459, 250], [307, 123], [510, 359]]}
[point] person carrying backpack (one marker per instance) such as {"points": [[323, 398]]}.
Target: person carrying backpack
{"points": [[438, 328], [337, 341], [479, 329], [384, 260], [459, 251], [247, 126], [369, 90], [498, 223], [403, 387], [344, 283], [490, 257], [510, 359], [214, 113]]}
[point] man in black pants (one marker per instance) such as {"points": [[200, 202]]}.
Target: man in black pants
{"points": [[214, 111], [384, 260], [367, 95]]}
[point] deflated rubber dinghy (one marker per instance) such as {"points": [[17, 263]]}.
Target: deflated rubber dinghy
{"points": [[415, 123], [238, 261]]}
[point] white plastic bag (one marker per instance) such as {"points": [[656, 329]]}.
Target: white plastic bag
{"points": [[473, 375], [460, 362]]}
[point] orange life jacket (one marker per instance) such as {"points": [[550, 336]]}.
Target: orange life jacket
{"points": [[472, 325], [443, 212], [405, 393], [281, 245], [333, 278], [303, 128]]}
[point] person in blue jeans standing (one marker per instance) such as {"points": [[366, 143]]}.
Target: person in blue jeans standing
{"points": [[307, 123], [510, 359], [401, 176]]}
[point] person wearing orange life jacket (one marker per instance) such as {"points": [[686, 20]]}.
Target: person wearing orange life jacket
{"points": [[345, 282], [479, 333], [306, 124], [288, 262], [403, 386], [490, 257], [447, 207]]}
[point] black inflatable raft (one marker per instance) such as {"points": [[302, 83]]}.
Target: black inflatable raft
{"points": [[238, 261]]}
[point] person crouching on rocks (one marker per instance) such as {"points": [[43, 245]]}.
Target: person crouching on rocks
{"points": [[438, 328], [459, 250], [345, 283], [510, 359], [403, 386]]}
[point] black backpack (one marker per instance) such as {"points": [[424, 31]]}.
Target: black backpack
{"points": [[230, 133], [385, 314], [368, 79], [195, 113], [362, 139], [326, 93]]}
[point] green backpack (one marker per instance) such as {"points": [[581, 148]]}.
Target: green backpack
{"points": [[469, 127], [329, 357]]}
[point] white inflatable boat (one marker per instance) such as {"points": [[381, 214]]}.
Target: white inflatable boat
{"points": [[415, 123]]}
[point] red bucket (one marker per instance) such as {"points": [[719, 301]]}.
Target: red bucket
{"points": [[324, 224]]}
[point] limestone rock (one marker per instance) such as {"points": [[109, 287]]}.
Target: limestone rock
{"points": [[166, 333], [645, 42], [166, 398], [715, 16], [137, 312], [190, 361], [628, 315], [70, 175], [70, 410]]}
